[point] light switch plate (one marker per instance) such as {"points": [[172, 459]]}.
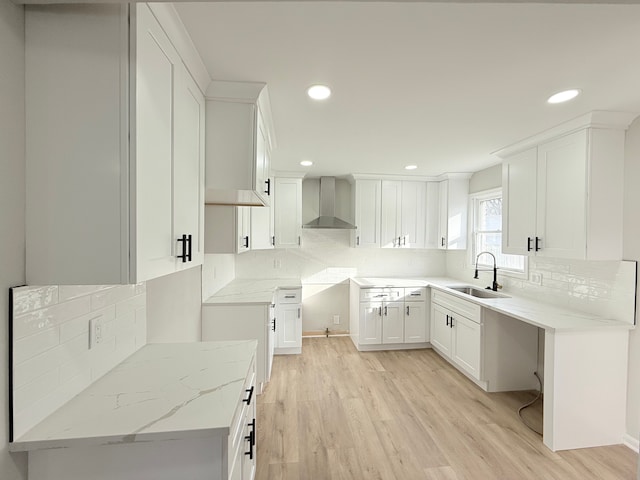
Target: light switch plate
{"points": [[536, 278]]}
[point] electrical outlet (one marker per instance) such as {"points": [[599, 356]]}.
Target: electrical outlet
{"points": [[536, 278], [96, 331], [277, 263], [336, 319]]}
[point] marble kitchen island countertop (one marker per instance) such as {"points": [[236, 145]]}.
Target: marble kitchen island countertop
{"points": [[251, 291], [161, 392], [540, 314]]}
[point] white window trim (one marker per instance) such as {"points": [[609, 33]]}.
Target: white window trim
{"points": [[473, 198]]}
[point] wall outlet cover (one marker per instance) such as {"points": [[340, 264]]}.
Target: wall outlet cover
{"points": [[336, 319], [536, 278], [96, 331]]}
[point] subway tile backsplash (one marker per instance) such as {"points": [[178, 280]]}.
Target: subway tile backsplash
{"points": [[603, 288], [52, 360]]}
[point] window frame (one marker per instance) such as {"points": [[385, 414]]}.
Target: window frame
{"points": [[474, 201]]}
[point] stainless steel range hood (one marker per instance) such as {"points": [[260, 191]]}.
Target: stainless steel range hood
{"points": [[327, 218]]}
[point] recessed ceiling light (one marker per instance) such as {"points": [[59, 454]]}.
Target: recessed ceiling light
{"points": [[306, 163], [564, 96], [319, 92], [410, 167]]}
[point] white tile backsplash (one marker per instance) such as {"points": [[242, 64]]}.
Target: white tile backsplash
{"points": [[52, 361], [603, 288], [326, 257]]}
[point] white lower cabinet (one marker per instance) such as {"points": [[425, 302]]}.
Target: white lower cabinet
{"points": [[288, 321], [241, 322], [456, 332], [388, 318], [415, 322], [242, 437]]}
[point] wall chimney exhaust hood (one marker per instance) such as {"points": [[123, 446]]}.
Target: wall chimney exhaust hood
{"points": [[327, 218]]}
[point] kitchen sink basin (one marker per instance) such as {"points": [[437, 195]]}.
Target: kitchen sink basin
{"points": [[478, 292]]}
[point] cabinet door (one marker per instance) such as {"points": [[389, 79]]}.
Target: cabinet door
{"points": [[188, 169], [413, 215], [391, 214], [443, 218], [262, 173], [466, 348], [156, 65], [289, 326], [432, 215], [441, 332], [415, 322], [261, 228], [368, 200], [271, 339], [288, 212], [243, 231], [562, 196], [393, 322], [370, 323], [519, 202]]}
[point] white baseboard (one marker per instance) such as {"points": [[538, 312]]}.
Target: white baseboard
{"points": [[631, 442]]}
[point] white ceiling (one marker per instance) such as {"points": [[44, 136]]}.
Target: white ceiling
{"points": [[439, 85]]}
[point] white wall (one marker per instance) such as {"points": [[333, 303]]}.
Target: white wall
{"points": [[174, 307], [12, 201], [631, 251], [217, 271], [325, 262], [486, 179]]}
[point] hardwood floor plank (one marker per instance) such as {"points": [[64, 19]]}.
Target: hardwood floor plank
{"points": [[334, 413]]}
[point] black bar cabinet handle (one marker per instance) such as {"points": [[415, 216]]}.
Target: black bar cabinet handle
{"points": [[246, 241], [528, 244], [385, 310], [447, 320], [189, 239], [537, 244], [250, 439], [248, 399], [253, 431], [451, 322], [273, 324], [442, 242], [407, 310], [184, 240], [268, 190]]}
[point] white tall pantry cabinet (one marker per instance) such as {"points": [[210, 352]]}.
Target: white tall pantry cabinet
{"points": [[115, 173]]}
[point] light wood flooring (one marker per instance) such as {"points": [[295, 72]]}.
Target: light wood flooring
{"points": [[336, 413]]}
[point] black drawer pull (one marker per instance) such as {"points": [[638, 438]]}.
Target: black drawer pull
{"points": [[528, 244], [407, 311], [447, 320], [248, 399], [538, 243]]}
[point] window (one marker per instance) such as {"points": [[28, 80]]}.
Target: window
{"points": [[486, 233]]}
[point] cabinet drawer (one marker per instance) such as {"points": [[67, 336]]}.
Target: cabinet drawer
{"points": [[236, 433], [380, 294], [457, 305], [417, 294], [290, 296]]}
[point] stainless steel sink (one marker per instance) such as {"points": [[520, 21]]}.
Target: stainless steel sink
{"points": [[478, 292]]}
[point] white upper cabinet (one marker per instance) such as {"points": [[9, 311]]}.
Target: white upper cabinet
{"points": [[239, 142], [115, 191], [453, 204], [403, 214], [288, 212], [562, 191], [390, 213], [413, 215], [367, 204]]}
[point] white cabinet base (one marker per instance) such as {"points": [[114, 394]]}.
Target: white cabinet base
{"points": [[387, 346], [581, 412]]}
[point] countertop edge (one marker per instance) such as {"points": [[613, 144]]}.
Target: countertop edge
{"points": [[32, 445]]}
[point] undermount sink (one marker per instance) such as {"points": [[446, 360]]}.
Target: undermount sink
{"points": [[478, 292]]}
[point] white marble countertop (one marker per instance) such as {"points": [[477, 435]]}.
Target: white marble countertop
{"points": [[542, 315], [161, 392], [251, 291]]}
